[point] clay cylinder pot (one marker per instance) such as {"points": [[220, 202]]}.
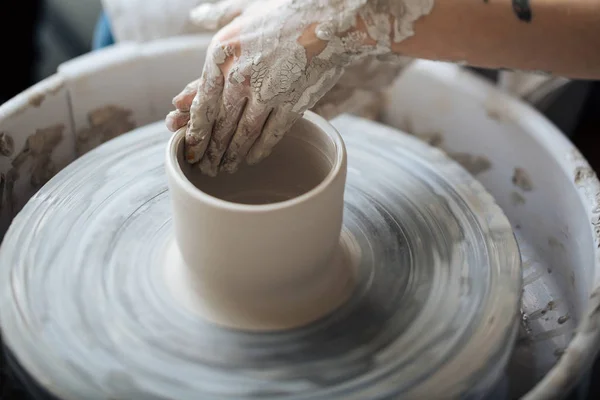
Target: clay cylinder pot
{"points": [[258, 248]]}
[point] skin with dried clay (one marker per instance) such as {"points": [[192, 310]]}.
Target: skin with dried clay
{"points": [[272, 60]]}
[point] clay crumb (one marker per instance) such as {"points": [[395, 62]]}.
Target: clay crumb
{"points": [[37, 99], [474, 164], [561, 320], [521, 179], [582, 174], [36, 157], [517, 199]]}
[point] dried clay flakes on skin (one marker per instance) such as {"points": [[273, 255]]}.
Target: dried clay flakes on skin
{"points": [[279, 70]]}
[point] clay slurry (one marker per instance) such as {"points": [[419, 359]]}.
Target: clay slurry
{"points": [[295, 167]]}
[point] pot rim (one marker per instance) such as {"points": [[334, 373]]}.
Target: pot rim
{"points": [[176, 173]]}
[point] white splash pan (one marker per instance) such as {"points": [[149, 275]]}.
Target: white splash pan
{"points": [[554, 206]]}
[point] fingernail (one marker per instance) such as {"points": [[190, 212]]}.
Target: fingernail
{"points": [[170, 121]]}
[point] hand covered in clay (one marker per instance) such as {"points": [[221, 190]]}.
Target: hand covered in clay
{"points": [[358, 90], [269, 65]]}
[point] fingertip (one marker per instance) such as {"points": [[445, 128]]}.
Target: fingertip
{"points": [[208, 168], [255, 155], [170, 121], [176, 119]]}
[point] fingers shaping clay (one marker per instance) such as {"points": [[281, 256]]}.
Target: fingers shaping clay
{"points": [[404, 283]]}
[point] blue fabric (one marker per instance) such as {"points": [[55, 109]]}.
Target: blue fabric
{"points": [[103, 36]]}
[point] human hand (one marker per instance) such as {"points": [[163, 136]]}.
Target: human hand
{"points": [[263, 70], [359, 87], [360, 90]]}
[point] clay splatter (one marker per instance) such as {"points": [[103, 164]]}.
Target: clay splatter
{"points": [[36, 157], [521, 179], [52, 87], [554, 243], [38, 153], [7, 145], [37, 99], [522, 10], [472, 163], [517, 199], [582, 174], [106, 123]]}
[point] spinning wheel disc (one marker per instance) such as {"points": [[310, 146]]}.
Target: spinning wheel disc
{"points": [[86, 310]]}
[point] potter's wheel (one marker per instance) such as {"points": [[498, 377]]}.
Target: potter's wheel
{"points": [[434, 314]]}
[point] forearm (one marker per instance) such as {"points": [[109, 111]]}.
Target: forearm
{"points": [[561, 37]]}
